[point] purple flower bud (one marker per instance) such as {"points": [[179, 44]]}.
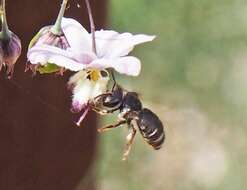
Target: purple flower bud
{"points": [[10, 45], [10, 50]]}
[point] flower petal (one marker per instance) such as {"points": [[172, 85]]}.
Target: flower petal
{"points": [[82, 89], [85, 89], [78, 37], [125, 65], [81, 95], [112, 44], [68, 59]]}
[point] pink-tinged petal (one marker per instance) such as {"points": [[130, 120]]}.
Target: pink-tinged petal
{"points": [[77, 36], [81, 94], [125, 65], [77, 107], [82, 90], [111, 44], [68, 59], [85, 89]]}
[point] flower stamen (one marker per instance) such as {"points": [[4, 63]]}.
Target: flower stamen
{"points": [[93, 75]]}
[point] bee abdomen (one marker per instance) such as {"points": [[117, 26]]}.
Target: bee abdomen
{"points": [[155, 138], [151, 128]]}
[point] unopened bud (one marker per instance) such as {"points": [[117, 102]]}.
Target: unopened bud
{"points": [[10, 45], [10, 52]]}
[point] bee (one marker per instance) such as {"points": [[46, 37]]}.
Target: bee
{"points": [[131, 113]]}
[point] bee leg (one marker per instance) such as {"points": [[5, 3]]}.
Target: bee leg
{"points": [[99, 111], [104, 112], [102, 96], [130, 139], [109, 127]]}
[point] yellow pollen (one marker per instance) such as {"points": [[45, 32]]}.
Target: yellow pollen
{"points": [[95, 75]]}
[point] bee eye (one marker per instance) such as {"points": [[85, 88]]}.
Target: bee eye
{"points": [[104, 73]]}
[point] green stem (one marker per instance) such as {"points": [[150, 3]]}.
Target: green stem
{"points": [[57, 29], [5, 33]]}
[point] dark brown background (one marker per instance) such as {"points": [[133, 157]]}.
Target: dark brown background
{"points": [[40, 148]]}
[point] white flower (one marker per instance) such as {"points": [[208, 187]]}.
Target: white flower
{"points": [[112, 50]]}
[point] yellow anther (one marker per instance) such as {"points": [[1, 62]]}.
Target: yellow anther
{"points": [[95, 75]]}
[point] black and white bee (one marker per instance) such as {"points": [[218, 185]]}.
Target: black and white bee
{"points": [[132, 113]]}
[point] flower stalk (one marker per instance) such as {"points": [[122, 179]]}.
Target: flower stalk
{"points": [[92, 26], [5, 33], [57, 29]]}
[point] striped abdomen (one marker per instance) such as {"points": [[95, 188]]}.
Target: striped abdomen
{"points": [[151, 128]]}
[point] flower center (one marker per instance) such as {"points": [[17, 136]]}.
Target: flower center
{"points": [[93, 75]]}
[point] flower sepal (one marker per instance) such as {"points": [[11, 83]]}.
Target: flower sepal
{"points": [[37, 36]]}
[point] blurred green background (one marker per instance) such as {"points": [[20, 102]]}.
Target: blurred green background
{"points": [[194, 76]]}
